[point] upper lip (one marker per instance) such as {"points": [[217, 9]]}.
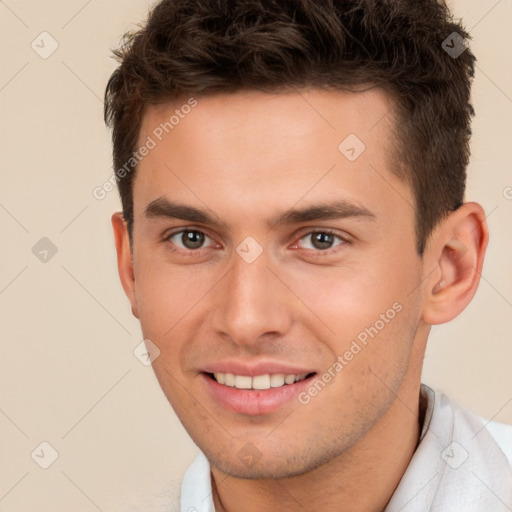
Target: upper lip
{"points": [[257, 368]]}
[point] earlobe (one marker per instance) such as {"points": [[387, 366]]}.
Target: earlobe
{"points": [[124, 259], [457, 251]]}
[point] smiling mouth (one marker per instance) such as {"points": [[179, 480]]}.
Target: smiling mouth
{"points": [[258, 382]]}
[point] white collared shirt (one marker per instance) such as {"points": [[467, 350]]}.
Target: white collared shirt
{"points": [[462, 464]]}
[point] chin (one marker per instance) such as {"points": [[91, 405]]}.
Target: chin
{"points": [[271, 465]]}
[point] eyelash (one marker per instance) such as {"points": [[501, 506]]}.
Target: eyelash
{"points": [[325, 252], [313, 252]]}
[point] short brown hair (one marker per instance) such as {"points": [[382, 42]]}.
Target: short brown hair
{"points": [[203, 47]]}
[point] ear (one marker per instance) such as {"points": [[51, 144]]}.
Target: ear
{"points": [[124, 259], [456, 253]]}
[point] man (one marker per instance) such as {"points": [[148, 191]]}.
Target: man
{"points": [[292, 178]]}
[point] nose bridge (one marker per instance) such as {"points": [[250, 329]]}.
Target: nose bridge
{"points": [[251, 303]]}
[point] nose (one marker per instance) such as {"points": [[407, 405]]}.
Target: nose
{"points": [[252, 304]]}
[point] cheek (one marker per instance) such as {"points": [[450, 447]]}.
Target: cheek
{"points": [[165, 295], [368, 318], [171, 303], [341, 302]]}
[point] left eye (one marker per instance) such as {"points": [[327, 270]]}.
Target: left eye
{"points": [[322, 240], [190, 239]]}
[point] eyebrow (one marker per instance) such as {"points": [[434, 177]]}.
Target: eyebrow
{"points": [[340, 209]]}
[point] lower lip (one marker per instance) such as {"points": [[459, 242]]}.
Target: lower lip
{"points": [[254, 402]]}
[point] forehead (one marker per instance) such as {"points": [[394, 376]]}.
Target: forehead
{"points": [[249, 111], [270, 151]]}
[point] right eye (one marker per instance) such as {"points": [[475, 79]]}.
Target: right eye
{"points": [[188, 239]]}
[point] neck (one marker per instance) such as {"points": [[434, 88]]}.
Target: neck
{"points": [[362, 479]]}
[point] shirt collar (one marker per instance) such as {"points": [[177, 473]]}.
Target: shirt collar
{"points": [[456, 466]]}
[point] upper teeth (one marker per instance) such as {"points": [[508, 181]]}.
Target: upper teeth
{"points": [[266, 381]]}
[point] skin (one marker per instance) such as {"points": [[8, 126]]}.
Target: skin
{"points": [[246, 158]]}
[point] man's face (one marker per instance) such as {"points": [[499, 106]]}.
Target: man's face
{"points": [[251, 290]]}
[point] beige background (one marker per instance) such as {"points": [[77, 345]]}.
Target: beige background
{"points": [[67, 372]]}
